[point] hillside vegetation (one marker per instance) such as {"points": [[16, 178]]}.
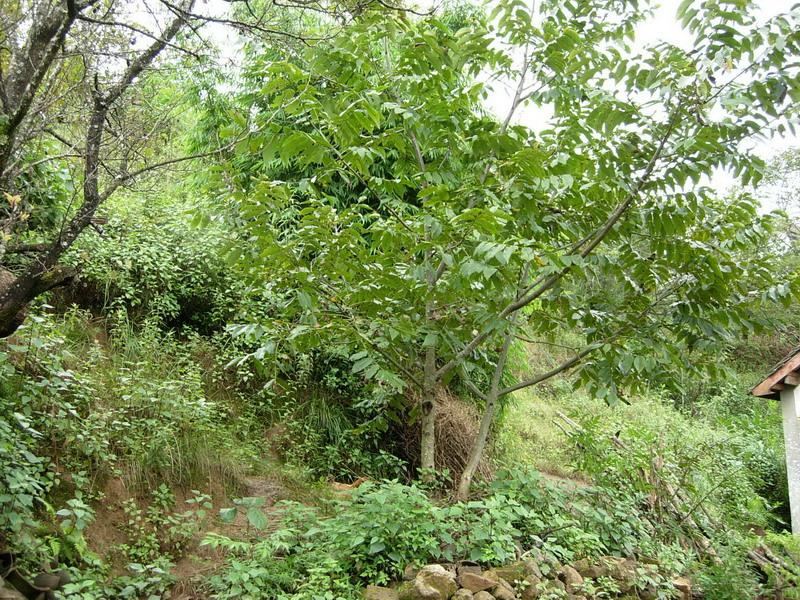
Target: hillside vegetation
{"points": [[319, 325], [151, 462]]}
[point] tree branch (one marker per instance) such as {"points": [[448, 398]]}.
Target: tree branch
{"points": [[140, 31], [124, 177], [144, 59], [668, 289], [241, 25], [544, 283], [92, 198], [564, 366], [28, 69]]}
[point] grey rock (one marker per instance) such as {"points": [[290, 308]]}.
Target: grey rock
{"points": [[514, 572], [571, 578], [463, 594], [532, 568], [491, 574], [9, 594], [410, 572], [468, 567], [684, 587], [475, 582], [433, 582], [376, 592], [503, 590], [450, 568], [623, 570], [590, 570], [649, 593], [405, 590], [483, 596], [530, 590]]}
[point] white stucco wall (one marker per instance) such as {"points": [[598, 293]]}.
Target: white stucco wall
{"points": [[790, 407]]}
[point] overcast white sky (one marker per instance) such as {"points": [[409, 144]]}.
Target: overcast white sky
{"points": [[665, 27]]}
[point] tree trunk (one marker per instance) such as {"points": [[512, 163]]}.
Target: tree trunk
{"points": [[17, 292], [428, 438], [479, 444], [476, 451]]}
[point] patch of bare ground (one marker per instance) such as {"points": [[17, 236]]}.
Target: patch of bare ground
{"points": [[572, 481], [105, 534]]}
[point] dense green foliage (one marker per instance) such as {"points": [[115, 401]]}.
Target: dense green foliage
{"points": [[277, 369], [151, 261], [376, 172], [383, 528], [135, 405], [409, 228]]}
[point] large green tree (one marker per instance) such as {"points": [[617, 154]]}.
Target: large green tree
{"points": [[428, 235]]}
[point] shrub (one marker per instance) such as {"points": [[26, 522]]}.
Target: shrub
{"points": [[74, 411], [333, 424], [647, 447], [27, 476], [151, 261], [730, 578], [369, 538]]}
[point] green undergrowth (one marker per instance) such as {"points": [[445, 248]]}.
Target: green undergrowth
{"points": [[145, 390], [728, 448], [180, 423], [332, 552], [714, 460], [88, 403], [152, 262]]}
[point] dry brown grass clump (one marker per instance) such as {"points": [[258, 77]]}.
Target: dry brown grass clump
{"points": [[456, 427]]}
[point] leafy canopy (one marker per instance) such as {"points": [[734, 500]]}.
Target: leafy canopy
{"points": [[404, 216]]}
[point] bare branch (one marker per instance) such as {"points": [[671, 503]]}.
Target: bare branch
{"points": [[140, 31], [124, 177], [564, 366], [241, 25], [28, 69], [143, 60], [92, 197]]}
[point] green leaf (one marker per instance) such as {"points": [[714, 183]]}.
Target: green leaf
{"points": [[257, 518], [227, 515]]}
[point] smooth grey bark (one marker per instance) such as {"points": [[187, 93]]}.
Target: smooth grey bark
{"points": [[479, 444]]}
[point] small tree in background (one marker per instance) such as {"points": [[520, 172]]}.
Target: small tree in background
{"points": [[87, 108]]}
